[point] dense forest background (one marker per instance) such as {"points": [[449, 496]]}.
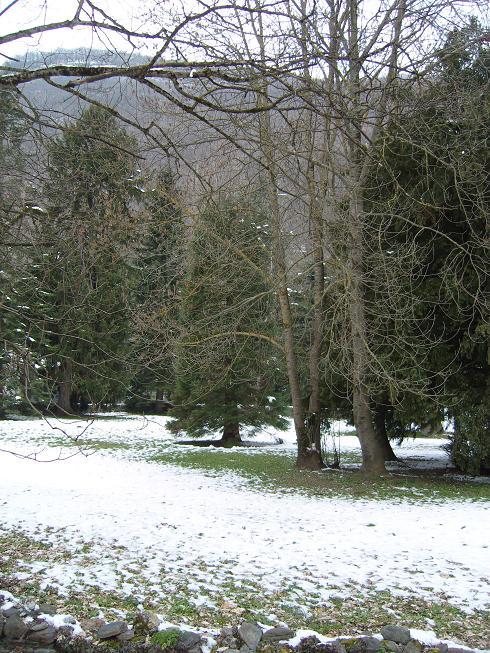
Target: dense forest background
{"points": [[303, 245]]}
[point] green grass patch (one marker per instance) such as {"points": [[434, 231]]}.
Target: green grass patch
{"points": [[277, 472]]}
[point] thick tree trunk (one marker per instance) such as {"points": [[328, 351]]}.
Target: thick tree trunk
{"points": [[381, 433], [373, 461], [231, 431], [63, 403]]}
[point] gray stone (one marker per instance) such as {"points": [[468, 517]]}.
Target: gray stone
{"points": [[195, 649], [337, 646], [370, 644], [2, 623], [188, 640], [46, 636], [397, 634], [245, 649], [443, 648], [66, 631], [250, 633], [112, 629], [278, 634], [226, 631], [125, 636], [231, 650], [412, 647], [69, 620], [47, 608], [146, 622], [11, 612], [393, 646], [362, 645], [38, 626], [14, 628]]}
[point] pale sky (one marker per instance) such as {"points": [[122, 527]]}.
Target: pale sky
{"points": [[27, 13]]}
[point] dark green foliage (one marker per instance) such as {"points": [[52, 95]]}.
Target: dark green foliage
{"points": [[81, 271], [430, 196], [159, 266], [228, 362]]}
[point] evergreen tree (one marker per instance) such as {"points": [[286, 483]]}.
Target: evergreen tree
{"points": [[228, 367], [159, 266], [431, 194], [82, 270]]}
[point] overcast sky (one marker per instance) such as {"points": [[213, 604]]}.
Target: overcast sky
{"points": [[26, 13]]}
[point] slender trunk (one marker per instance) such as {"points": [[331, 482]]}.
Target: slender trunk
{"points": [[373, 456], [381, 433], [160, 404], [63, 403]]}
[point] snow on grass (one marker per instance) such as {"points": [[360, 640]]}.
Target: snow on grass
{"points": [[145, 529]]}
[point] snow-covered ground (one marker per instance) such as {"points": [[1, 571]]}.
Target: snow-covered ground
{"points": [[124, 519]]}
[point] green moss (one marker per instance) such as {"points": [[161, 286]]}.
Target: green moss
{"points": [[167, 638]]}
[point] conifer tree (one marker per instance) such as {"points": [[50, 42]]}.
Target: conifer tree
{"points": [[228, 361], [82, 270], [159, 266], [430, 193]]}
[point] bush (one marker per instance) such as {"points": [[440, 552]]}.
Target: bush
{"points": [[470, 444]]}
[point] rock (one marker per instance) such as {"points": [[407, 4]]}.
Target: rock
{"points": [[188, 640], [392, 646], [112, 629], [146, 622], [227, 631], [412, 647], [456, 649], [14, 628], [66, 631], [11, 612], [364, 644], [195, 649], [245, 649], [47, 608], [250, 634], [92, 625], [38, 626], [397, 634], [45, 636], [2, 624], [69, 620], [125, 636], [278, 634], [231, 650], [370, 644]]}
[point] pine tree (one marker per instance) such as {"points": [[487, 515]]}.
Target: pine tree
{"points": [[228, 367], [82, 270], [159, 266], [430, 193]]}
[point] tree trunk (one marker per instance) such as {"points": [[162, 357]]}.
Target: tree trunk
{"points": [[231, 431], [160, 403], [63, 403], [373, 461], [381, 434], [231, 425]]}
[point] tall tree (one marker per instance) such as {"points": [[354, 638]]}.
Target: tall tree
{"points": [[82, 268], [159, 262], [229, 362]]}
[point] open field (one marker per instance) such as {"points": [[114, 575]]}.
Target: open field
{"points": [[202, 535]]}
